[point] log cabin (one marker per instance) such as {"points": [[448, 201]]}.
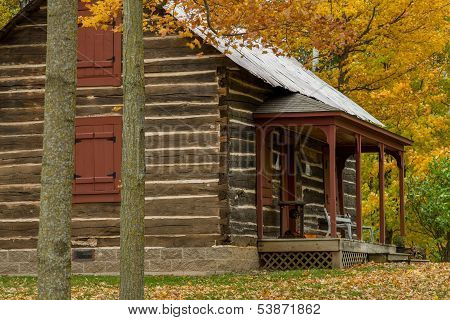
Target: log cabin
{"points": [[252, 161]]}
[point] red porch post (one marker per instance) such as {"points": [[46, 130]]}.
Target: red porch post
{"points": [[359, 222], [381, 191], [260, 165], [401, 182], [284, 194], [331, 139]]}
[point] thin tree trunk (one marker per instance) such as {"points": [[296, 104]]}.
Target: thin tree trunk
{"points": [[447, 248], [54, 266], [133, 156]]}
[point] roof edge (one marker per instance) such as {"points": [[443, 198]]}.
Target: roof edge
{"points": [[24, 12], [337, 114]]}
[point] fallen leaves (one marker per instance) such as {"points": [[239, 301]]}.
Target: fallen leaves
{"points": [[370, 281]]}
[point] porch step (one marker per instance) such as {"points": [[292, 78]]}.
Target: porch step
{"points": [[419, 260], [389, 257], [395, 257]]}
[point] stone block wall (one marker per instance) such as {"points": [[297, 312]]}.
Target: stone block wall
{"points": [[158, 261]]}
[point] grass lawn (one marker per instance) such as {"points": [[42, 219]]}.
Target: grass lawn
{"points": [[371, 281]]}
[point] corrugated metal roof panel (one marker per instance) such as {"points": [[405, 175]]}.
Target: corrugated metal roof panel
{"points": [[287, 73], [290, 74]]}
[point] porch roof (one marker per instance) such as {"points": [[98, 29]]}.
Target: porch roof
{"points": [[299, 114]]}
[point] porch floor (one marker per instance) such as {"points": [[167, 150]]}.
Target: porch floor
{"points": [[287, 254]]}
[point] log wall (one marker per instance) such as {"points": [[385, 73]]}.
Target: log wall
{"points": [[243, 93], [200, 148], [183, 155]]}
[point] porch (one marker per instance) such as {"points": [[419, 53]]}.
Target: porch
{"points": [[323, 253], [343, 136]]}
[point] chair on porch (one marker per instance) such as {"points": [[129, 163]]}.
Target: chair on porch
{"points": [[345, 222]]}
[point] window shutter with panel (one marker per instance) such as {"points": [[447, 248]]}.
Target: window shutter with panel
{"points": [[97, 159], [99, 55]]}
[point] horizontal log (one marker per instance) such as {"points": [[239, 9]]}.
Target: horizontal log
{"points": [[180, 189], [26, 34], [98, 110], [243, 75], [190, 63], [21, 157], [207, 89], [22, 98], [167, 207], [171, 47], [19, 210], [238, 98], [200, 139], [21, 114], [22, 128], [240, 114], [242, 146], [29, 54], [169, 241], [22, 70], [104, 227], [202, 123], [16, 174], [180, 77], [183, 171], [180, 108], [192, 92], [308, 182], [207, 155], [30, 209], [37, 113], [240, 131], [23, 82], [260, 92], [20, 143], [238, 215], [19, 192], [189, 206]]}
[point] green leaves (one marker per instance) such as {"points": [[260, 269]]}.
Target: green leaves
{"points": [[429, 199]]}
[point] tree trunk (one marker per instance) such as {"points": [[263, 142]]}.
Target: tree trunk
{"points": [[54, 267], [133, 156], [447, 247]]}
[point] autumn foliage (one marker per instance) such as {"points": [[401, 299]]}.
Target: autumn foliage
{"points": [[391, 57]]}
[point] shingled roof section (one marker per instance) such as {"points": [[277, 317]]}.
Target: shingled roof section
{"points": [[294, 103]]}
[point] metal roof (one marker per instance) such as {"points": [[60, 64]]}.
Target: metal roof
{"points": [[286, 72], [278, 71], [290, 74]]}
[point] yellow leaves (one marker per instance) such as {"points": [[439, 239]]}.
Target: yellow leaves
{"points": [[370, 281]]}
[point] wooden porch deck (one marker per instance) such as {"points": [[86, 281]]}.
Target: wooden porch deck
{"points": [[288, 254]]}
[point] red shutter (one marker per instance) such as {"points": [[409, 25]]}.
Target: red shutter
{"points": [[99, 55], [97, 159]]}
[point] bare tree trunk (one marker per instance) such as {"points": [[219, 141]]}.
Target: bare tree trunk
{"points": [[54, 267], [133, 156], [447, 248]]}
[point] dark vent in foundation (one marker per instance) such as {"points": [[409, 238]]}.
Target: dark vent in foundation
{"points": [[83, 255]]}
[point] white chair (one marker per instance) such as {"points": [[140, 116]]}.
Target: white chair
{"points": [[346, 223]]}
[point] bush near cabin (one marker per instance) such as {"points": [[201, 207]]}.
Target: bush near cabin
{"points": [[429, 200]]}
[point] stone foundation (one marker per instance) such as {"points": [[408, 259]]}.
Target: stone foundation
{"points": [[158, 261]]}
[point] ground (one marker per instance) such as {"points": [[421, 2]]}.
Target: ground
{"points": [[371, 281]]}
